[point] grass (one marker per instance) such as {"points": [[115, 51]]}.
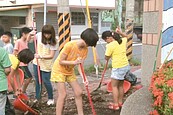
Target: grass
{"points": [[87, 69], [91, 68], [134, 62]]}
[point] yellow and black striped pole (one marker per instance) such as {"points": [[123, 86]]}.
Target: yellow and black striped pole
{"points": [[63, 29], [63, 23], [129, 32]]}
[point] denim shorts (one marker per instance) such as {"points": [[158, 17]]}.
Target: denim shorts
{"points": [[119, 73]]}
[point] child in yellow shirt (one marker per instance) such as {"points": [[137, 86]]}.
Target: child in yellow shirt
{"points": [[24, 56], [73, 53], [116, 50]]}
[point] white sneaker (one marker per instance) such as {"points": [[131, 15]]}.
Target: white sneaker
{"points": [[35, 101], [50, 102]]}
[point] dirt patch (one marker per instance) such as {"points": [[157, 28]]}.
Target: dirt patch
{"points": [[100, 99]]}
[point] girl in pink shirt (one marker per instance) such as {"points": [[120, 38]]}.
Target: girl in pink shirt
{"points": [[21, 44]]}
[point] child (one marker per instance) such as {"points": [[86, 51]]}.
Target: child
{"points": [[6, 38], [4, 71], [24, 56], [73, 53], [116, 49], [21, 44], [46, 47], [1, 33]]}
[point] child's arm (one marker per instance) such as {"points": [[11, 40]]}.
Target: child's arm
{"points": [[31, 35], [15, 51], [11, 76], [107, 57], [50, 56], [7, 70], [118, 30], [64, 61]]}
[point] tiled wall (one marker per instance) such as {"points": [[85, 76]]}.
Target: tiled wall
{"points": [[153, 21], [152, 24]]}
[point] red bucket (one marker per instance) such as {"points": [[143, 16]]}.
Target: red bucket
{"points": [[126, 86], [20, 105]]}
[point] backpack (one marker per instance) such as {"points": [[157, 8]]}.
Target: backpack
{"points": [[131, 78]]}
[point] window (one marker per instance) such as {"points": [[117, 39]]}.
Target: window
{"points": [[77, 18], [22, 20]]}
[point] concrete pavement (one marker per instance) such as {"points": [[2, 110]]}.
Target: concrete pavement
{"points": [[138, 103]]}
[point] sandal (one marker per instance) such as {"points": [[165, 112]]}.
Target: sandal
{"points": [[113, 106], [120, 104]]}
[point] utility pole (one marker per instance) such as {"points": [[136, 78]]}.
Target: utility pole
{"points": [[119, 13], [63, 22], [129, 25], [45, 11]]}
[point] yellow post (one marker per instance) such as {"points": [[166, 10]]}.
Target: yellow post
{"points": [[93, 48]]}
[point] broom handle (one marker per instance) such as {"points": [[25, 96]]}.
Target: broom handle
{"points": [[158, 44], [167, 57]]}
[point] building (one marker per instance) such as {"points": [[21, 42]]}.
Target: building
{"points": [[17, 13]]}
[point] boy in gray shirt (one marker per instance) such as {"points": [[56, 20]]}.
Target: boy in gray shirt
{"points": [[6, 38]]}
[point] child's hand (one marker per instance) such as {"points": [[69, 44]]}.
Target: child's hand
{"points": [[78, 61], [18, 92], [118, 30], [32, 33], [86, 82], [37, 56]]}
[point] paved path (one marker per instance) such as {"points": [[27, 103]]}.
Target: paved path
{"points": [[138, 103]]}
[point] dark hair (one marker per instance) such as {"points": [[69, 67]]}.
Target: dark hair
{"points": [[8, 33], [48, 29], [115, 35], [90, 37], [25, 30], [25, 56]]}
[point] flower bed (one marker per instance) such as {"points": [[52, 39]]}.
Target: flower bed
{"points": [[161, 88]]}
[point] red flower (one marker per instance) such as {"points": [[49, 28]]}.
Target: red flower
{"points": [[154, 112], [159, 81], [170, 96], [158, 101], [157, 92], [170, 83], [161, 87]]}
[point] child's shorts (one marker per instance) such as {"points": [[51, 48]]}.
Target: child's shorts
{"points": [[26, 72], [63, 78], [119, 73]]}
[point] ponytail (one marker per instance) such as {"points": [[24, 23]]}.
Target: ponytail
{"points": [[116, 37]]}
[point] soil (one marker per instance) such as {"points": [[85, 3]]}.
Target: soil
{"points": [[100, 98]]}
